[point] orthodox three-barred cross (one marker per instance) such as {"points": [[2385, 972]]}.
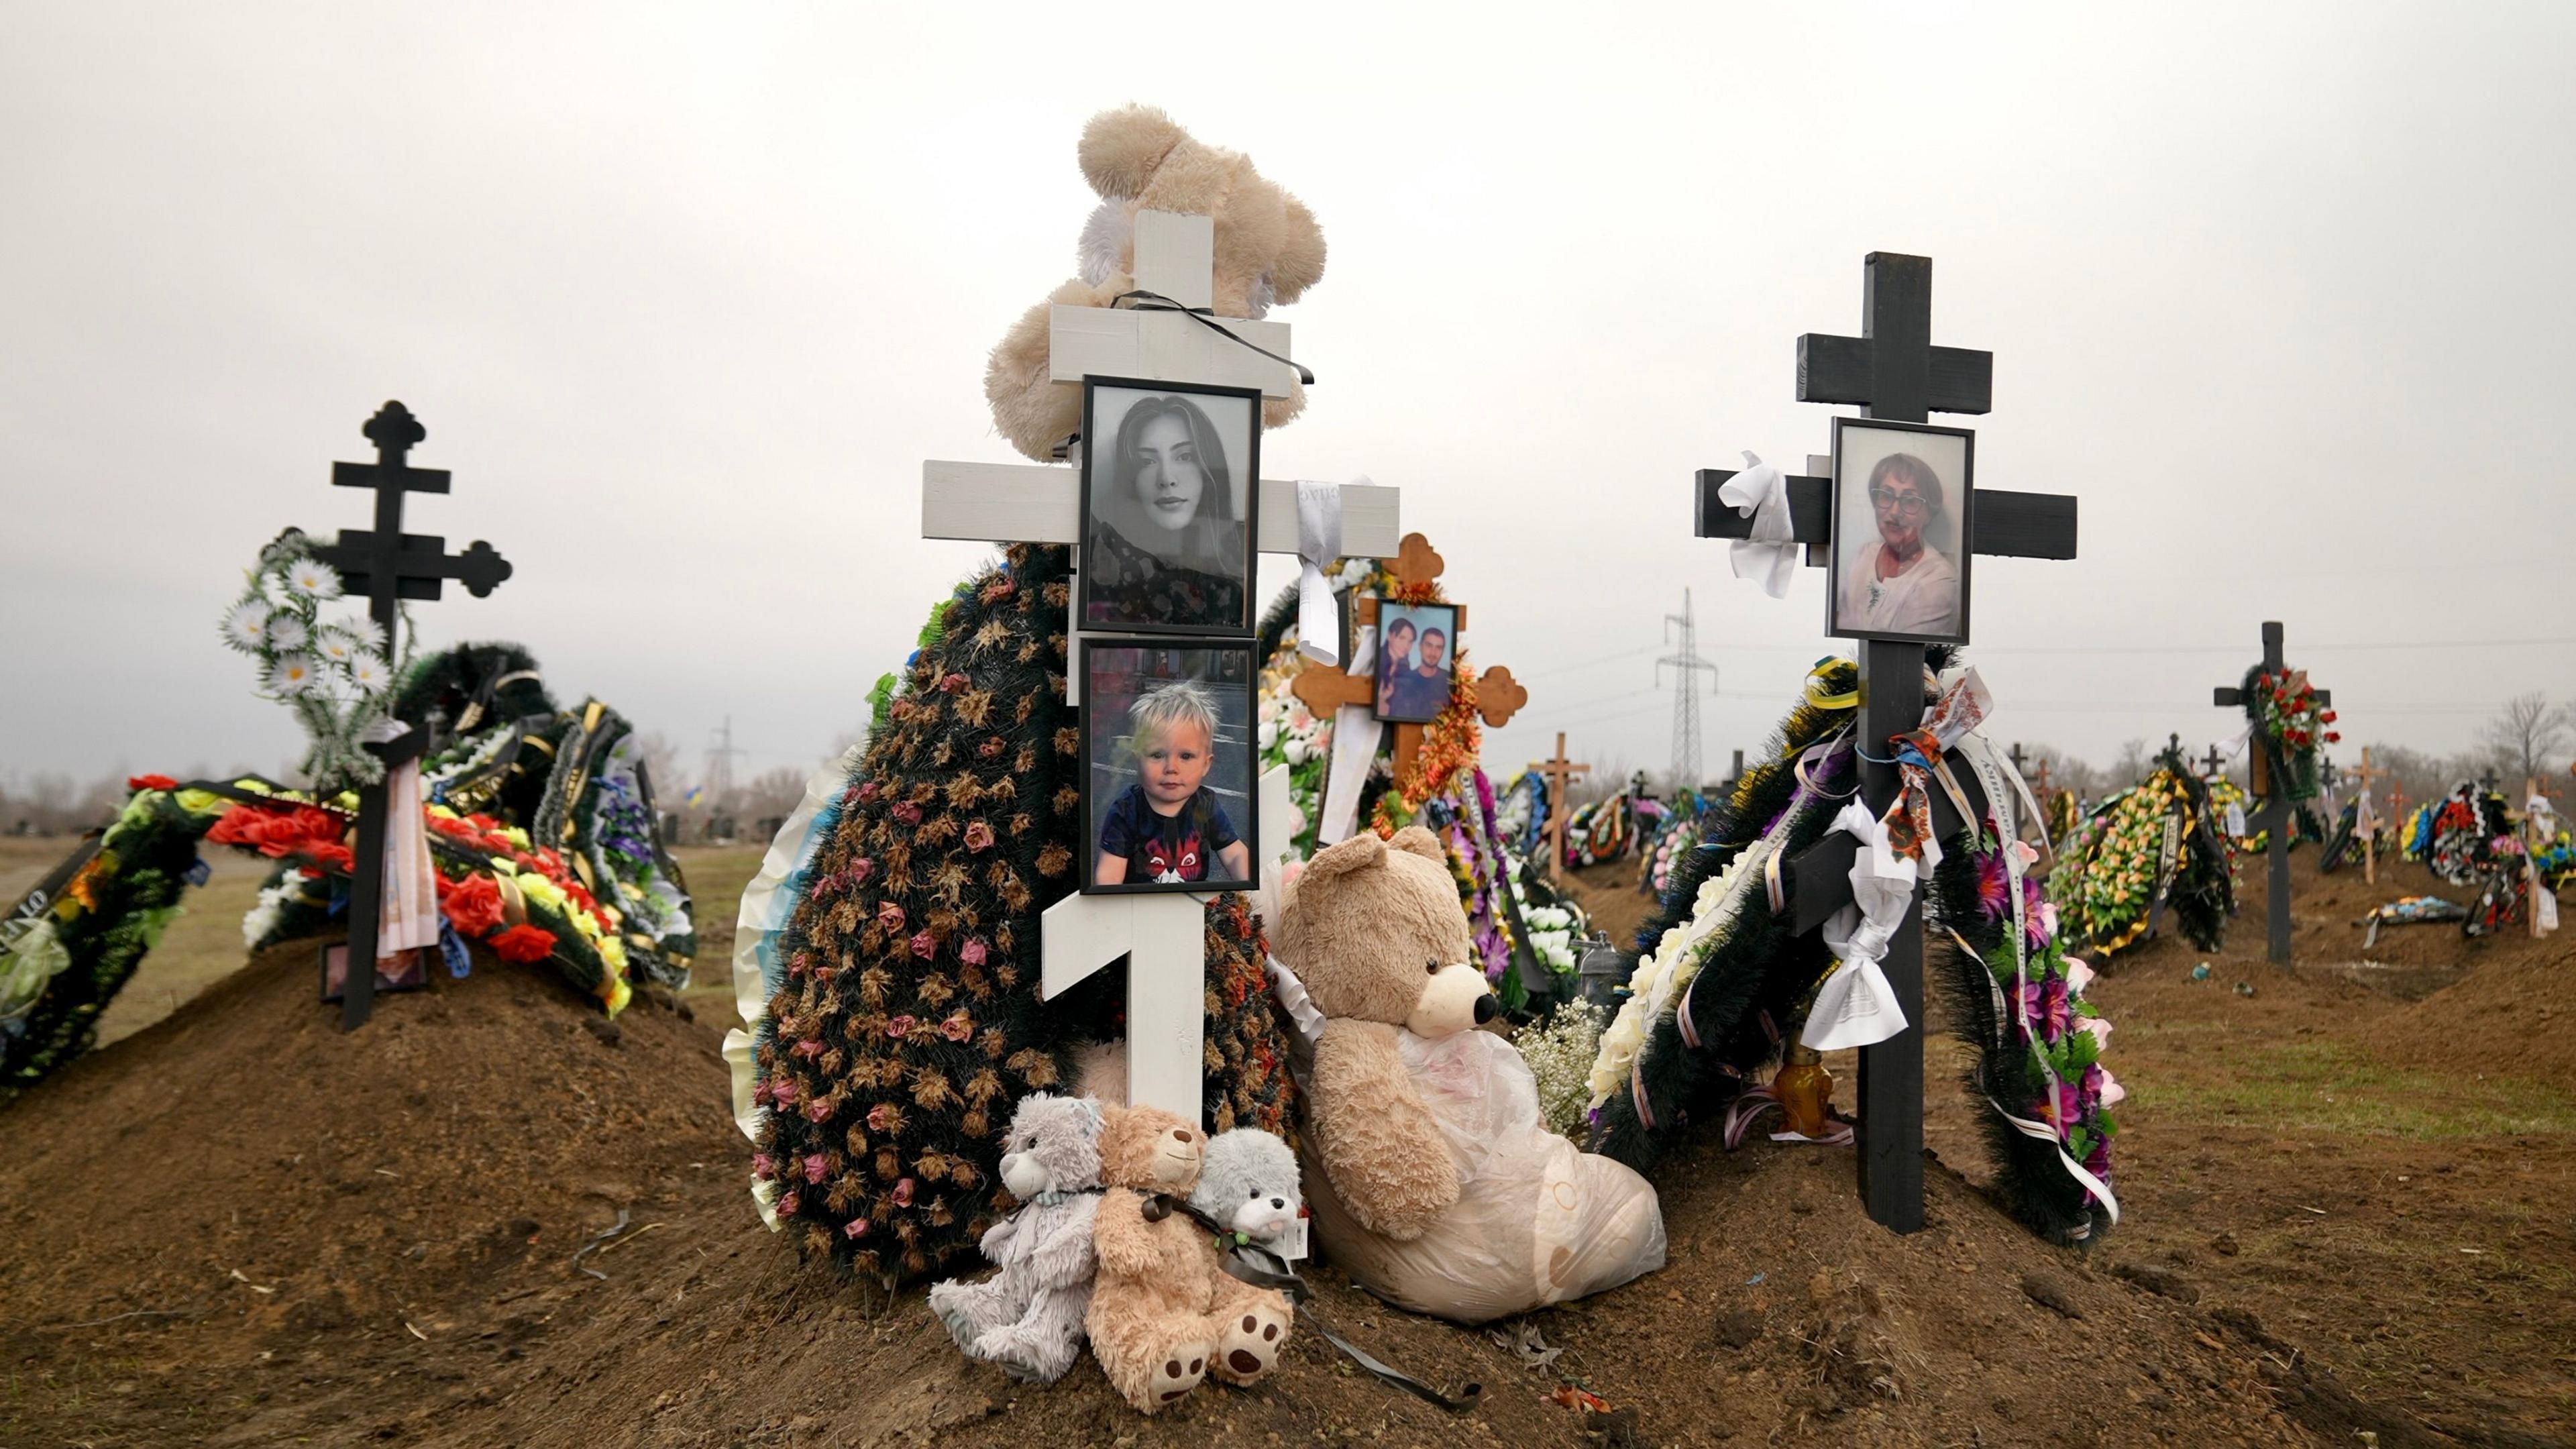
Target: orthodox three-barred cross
{"points": [[387, 565], [1892, 371], [1498, 695], [2273, 817]]}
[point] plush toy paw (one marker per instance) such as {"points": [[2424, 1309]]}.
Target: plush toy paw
{"points": [[1183, 1366], [1249, 1347], [1028, 1357]]}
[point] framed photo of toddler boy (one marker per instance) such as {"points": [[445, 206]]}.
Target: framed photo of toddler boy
{"points": [[1903, 502], [1169, 801], [1169, 471]]}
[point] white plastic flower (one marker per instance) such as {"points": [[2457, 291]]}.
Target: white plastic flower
{"points": [[293, 674], [285, 631], [246, 627], [369, 672], [1269, 734], [313, 579], [335, 644], [368, 633]]}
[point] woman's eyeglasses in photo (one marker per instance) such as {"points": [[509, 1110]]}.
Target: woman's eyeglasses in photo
{"points": [[1912, 505]]}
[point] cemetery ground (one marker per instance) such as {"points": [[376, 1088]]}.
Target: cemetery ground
{"points": [[2345, 1206]]}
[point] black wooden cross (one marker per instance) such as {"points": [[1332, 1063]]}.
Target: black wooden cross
{"points": [[2214, 760], [2274, 814], [386, 564], [1893, 371]]}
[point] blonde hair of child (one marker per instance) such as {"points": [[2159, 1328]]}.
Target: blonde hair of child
{"points": [[1158, 709]]}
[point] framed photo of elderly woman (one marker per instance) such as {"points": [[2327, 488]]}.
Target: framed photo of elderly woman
{"points": [[1903, 498], [1168, 473], [1169, 800]]}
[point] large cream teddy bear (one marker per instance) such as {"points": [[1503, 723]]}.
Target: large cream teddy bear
{"points": [[1268, 252], [1441, 1189]]}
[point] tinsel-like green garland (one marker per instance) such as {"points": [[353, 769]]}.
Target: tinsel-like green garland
{"points": [[1748, 989], [909, 1024]]}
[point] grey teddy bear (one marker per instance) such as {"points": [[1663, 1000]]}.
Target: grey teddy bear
{"points": [[1248, 1181], [1027, 1319]]}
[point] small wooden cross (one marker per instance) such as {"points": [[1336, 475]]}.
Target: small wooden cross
{"points": [[2020, 762], [2274, 815], [386, 565], [2365, 818], [2213, 762], [1498, 695], [1560, 774]]}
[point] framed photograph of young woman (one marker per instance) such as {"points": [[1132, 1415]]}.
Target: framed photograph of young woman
{"points": [[1168, 476], [1903, 499], [1168, 794], [1417, 660]]}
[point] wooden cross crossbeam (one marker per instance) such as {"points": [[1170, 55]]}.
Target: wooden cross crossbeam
{"points": [[2214, 761], [2273, 816], [387, 565], [1323, 691]]}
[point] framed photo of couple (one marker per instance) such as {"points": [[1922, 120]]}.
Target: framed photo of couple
{"points": [[1903, 502], [1417, 660], [1169, 472], [1169, 794]]}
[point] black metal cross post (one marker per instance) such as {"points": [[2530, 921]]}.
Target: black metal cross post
{"points": [[2273, 816], [386, 564], [2214, 760], [1892, 371]]}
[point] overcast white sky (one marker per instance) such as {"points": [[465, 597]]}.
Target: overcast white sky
{"points": [[685, 295]]}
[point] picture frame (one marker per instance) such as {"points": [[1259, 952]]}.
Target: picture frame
{"points": [[1133, 701], [412, 975], [1930, 473], [1412, 639], [1174, 562]]}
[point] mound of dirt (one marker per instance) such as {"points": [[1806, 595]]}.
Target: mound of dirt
{"points": [[243, 1227]]}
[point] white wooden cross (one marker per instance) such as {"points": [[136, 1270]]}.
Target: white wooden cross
{"points": [[1161, 935]]}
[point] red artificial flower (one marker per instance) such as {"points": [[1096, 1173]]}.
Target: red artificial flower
{"points": [[950, 684], [473, 906], [150, 782], [868, 790], [332, 856], [908, 813], [2328, 717], [524, 944]]}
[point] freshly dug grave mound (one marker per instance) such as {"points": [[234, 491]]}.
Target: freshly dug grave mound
{"points": [[403, 1208]]}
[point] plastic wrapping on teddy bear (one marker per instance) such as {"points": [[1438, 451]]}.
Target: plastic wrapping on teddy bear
{"points": [[1538, 1221], [1434, 1180]]}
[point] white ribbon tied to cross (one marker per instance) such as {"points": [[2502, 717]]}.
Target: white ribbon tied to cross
{"points": [[1857, 1006], [1319, 542], [1770, 554]]}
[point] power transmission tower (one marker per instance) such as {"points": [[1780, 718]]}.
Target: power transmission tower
{"points": [[720, 758], [1686, 664]]}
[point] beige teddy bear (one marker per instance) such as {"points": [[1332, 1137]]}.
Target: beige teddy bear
{"points": [[1441, 1189], [1268, 252], [1163, 1313]]}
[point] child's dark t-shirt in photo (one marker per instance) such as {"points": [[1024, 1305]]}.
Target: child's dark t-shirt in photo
{"points": [[1177, 847]]}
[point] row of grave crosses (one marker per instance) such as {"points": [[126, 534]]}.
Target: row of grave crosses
{"points": [[1892, 371]]}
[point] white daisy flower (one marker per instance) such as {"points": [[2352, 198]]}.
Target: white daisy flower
{"points": [[293, 674], [285, 631], [314, 579], [335, 644], [369, 672], [246, 627], [368, 633]]}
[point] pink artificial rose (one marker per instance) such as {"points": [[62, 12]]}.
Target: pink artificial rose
{"points": [[855, 1229], [957, 1028], [814, 1166], [787, 1206], [902, 1196], [818, 1110], [763, 1165], [925, 945], [861, 869], [908, 813], [890, 915], [879, 1115], [900, 1027], [973, 953], [979, 836], [2100, 1028]]}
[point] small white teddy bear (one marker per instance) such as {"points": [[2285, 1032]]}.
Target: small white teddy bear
{"points": [[1248, 1182], [1027, 1319]]}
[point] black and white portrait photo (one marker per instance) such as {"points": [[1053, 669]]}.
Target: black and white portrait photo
{"points": [[1168, 774], [1901, 503], [1168, 476], [1417, 660]]}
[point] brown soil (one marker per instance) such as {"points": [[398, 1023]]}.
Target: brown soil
{"points": [[242, 1227]]}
